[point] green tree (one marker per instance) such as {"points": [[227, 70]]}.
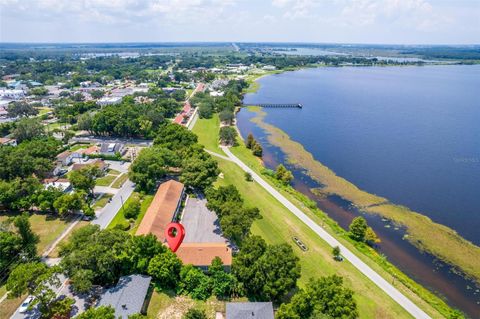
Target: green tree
{"points": [[194, 313], [28, 238], [35, 278], [283, 174], [102, 312], [82, 280], [132, 208], [84, 179], [151, 165], [27, 129], [371, 237], [69, 203], [194, 282], [358, 228], [322, 298], [175, 137], [248, 177], [21, 109], [257, 263], [199, 170], [226, 116], [250, 141], [59, 308], [165, 269], [223, 283], [257, 150], [96, 94], [228, 135], [336, 252], [39, 91]]}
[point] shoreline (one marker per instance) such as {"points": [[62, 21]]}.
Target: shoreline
{"points": [[422, 232]]}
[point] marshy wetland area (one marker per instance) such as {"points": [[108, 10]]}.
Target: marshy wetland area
{"points": [[386, 143]]}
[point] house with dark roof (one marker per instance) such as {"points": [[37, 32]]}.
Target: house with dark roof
{"points": [[249, 310], [112, 148], [128, 297]]}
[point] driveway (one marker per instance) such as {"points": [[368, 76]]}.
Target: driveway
{"points": [[201, 224], [107, 213]]}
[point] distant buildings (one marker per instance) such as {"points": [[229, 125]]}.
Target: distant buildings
{"points": [[109, 100], [128, 297]]}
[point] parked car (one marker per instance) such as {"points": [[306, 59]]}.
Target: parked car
{"points": [[24, 306]]}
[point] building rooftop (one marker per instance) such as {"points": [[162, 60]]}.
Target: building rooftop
{"points": [[202, 254], [128, 296], [249, 310], [162, 210]]}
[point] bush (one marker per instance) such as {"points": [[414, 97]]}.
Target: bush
{"points": [[123, 225], [248, 177], [132, 209]]}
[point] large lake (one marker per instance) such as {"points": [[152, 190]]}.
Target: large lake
{"points": [[410, 134]]}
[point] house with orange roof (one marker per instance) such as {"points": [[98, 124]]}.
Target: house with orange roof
{"points": [[163, 210], [196, 249]]}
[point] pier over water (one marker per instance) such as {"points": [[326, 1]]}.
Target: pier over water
{"points": [[281, 105]]}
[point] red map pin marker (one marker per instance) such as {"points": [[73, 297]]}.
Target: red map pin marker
{"points": [[174, 234]]}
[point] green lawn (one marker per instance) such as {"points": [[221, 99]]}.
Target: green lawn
{"points": [[105, 180], [47, 227], [102, 201], [207, 132], [279, 225], [119, 181], [112, 171], [119, 218], [77, 147]]}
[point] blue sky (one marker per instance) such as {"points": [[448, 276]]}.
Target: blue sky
{"points": [[338, 21]]}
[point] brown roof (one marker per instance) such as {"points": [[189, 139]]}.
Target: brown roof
{"points": [[4, 140], [202, 254], [162, 210], [90, 150], [64, 155]]}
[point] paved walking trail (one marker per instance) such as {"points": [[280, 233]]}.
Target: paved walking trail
{"points": [[396, 295]]}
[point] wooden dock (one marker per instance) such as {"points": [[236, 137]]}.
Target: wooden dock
{"points": [[281, 105]]}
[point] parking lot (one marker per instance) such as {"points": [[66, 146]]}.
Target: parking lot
{"points": [[201, 225]]}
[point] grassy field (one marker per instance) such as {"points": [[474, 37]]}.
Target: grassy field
{"points": [[279, 225], [47, 227], [119, 218], [77, 147], [119, 181], [105, 180], [207, 132]]}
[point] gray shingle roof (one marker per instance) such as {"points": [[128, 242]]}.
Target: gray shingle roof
{"points": [[127, 296], [249, 310]]}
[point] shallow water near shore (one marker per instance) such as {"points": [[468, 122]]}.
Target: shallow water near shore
{"points": [[325, 121]]}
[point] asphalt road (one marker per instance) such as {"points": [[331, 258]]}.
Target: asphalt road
{"points": [[106, 214], [396, 295]]}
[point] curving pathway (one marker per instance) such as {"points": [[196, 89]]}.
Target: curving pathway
{"points": [[393, 292]]}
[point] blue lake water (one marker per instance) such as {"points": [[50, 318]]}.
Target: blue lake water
{"points": [[410, 134]]}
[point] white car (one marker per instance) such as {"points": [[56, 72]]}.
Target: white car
{"points": [[24, 306]]}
